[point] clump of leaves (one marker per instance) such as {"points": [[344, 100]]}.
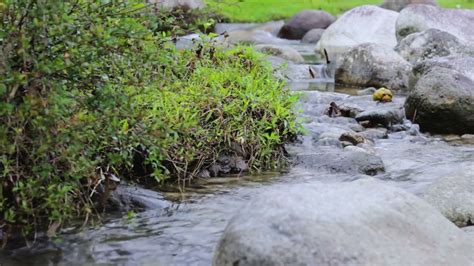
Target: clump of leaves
{"points": [[90, 89]]}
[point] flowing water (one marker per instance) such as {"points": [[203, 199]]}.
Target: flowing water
{"points": [[188, 229]]}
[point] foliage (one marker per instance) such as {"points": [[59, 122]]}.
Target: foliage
{"points": [[265, 10], [90, 89], [182, 20]]}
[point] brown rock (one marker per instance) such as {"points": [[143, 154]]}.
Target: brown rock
{"points": [[351, 137]]}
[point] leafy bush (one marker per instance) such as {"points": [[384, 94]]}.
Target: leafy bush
{"points": [[90, 89]]}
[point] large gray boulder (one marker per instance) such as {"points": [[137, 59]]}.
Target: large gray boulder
{"points": [[418, 18], [442, 101], [354, 223], [398, 5], [374, 65], [312, 36], [284, 52], [462, 64], [364, 24], [191, 4], [453, 196], [429, 44], [298, 25]]}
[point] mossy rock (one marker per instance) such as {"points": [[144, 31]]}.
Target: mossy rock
{"points": [[383, 95]]}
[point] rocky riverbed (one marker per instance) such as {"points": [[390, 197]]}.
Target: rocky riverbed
{"points": [[371, 182]]}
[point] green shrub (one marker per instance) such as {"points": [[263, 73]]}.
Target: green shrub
{"points": [[90, 89]]}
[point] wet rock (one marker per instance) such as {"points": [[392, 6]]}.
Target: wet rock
{"points": [[313, 36], [375, 133], [350, 110], [467, 139], [191, 4], [238, 149], [352, 138], [346, 120], [356, 127], [345, 161], [364, 24], [418, 18], [314, 103], [431, 43], [368, 147], [220, 28], [187, 41], [462, 64], [240, 165], [325, 127], [373, 65], [272, 27], [204, 173], [401, 127], [333, 110], [442, 101], [253, 36], [367, 91], [227, 164], [398, 5], [334, 142], [332, 132], [356, 148], [364, 222], [346, 144], [453, 196], [284, 52], [386, 114], [414, 130], [125, 198], [451, 137], [298, 25]]}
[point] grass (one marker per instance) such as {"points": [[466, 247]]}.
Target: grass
{"points": [[266, 10]]}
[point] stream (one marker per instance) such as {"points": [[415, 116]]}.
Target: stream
{"points": [[187, 230]]}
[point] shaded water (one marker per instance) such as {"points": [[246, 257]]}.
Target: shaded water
{"points": [[187, 231]]}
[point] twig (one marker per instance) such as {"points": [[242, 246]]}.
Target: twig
{"points": [[326, 56]]}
